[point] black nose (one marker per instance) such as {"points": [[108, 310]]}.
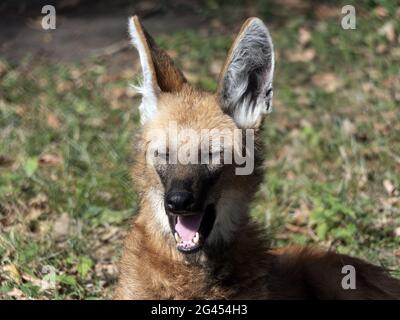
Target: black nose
{"points": [[178, 201]]}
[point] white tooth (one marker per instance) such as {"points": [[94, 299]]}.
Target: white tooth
{"points": [[177, 237], [196, 238]]}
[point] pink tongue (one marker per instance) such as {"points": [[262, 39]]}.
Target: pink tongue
{"points": [[187, 226]]}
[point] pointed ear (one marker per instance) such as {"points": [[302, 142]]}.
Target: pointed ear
{"points": [[245, 85], [159, 71]]}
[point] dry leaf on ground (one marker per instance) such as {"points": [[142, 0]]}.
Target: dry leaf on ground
{"points": [[50, 160], [61, 226], [388, 31], [53, 121], [328, 81], [389, 187], [299, 55], [304, 36]]}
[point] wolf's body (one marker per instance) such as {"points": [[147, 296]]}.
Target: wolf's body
{"points": [[231, 260]]}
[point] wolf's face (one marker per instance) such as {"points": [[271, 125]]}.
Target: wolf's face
{"points": [[198, 151], [187, 143]]}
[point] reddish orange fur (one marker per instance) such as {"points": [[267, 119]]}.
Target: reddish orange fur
{"points": [[246, 268]]}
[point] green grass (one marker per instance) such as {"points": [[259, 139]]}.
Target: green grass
{"points": [[66, 136]]}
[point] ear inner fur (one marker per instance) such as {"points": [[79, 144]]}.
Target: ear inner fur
{"points": [[245, 83], [140, 31], [230, 53]]}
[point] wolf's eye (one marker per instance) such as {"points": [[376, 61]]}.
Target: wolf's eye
{"points": [[216, 157], [161, 155], [216, 154]]}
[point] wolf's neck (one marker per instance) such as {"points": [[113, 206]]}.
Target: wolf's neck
{"points": [[157, 270]]}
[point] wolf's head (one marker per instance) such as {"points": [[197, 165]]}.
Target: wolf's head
{"points": [[198, 158]]}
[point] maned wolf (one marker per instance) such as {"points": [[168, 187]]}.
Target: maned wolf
{"points": [[193, 237]]}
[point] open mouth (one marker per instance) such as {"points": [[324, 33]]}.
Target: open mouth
{"points": [[192, 229]]}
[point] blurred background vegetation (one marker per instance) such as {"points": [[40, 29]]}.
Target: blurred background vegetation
{"points": [[68, 118]]}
